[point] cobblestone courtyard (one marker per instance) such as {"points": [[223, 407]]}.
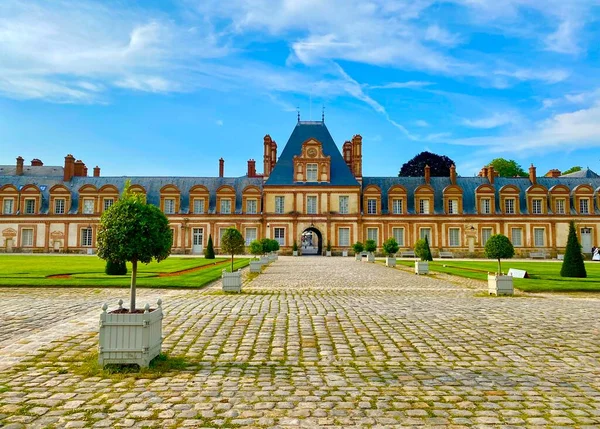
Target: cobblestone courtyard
{"points": [[312, 342]]}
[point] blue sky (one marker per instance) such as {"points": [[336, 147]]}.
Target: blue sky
{"points": [[167, 88]]}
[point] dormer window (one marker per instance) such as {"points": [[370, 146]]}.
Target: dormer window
{"points": [[312, 171]]}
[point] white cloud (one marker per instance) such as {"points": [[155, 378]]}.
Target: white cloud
{"points": [[564, 39], [412, 84], [421, 123], [550, 76], [440, 35], [494, 121], [219, 123]]}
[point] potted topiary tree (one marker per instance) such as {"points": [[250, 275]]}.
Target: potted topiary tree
{"points": [[358, 248], [134, 231], [390, 247], [256, 249], [423, 252], [274, 246], [232, 244], [328, 248], [499, 247], [294, 248], [573, 265], [370, 247], [266, 249], [209, 253]]}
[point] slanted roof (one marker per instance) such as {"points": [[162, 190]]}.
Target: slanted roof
{"points": [[33, 170], [583, 173], [283, 173]]}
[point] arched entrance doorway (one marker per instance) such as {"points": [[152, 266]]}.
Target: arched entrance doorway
{"points": [[311, 241]]}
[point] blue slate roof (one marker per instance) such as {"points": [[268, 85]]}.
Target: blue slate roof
{"points": [[283, 173], [583, 173]]}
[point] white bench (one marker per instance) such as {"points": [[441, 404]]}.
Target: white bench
{"points": [[538, 255], [447, 255], [560, 257], [407, 254]]}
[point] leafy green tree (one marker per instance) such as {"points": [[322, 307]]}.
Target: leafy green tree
{"points": [[294, 246], [209, 252], [573, 265], [370, 246], [132, 230], [508, 168], [439, 165], [267, 245], [572, 170], [274, 245], [358, 247], [422, 250], [390, 246], [115, 268], [256, 248], [328, 247], [499, 247], [232, 243]]}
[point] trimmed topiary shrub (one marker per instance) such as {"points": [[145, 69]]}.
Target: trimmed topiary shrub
{"points": [[256, 248], [209, 253], [499, 247], [328, 247], [232, 243], [115, 268], [370, 246], [422, 250], [294, 246], [573, 265], [358, 247], [390, 247], [274, 245]]}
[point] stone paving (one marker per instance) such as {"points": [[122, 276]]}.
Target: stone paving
{"points": [[312, 342]]}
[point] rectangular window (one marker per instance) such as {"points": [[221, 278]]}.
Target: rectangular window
{"points": [[371, 206], [9, 206], [59, 206], [560, 206], [27, 237], [486, 233], [221, 233], [250, 235], [397, 206], [280, 236], [373, 234], [279, 204], [344, 237], [311, 204], [538, 237], [509, 206], [226, 206], [516, 237], [584, 206], [251, 206], [424, 206], [425, 232], [536, 206], [454, 237], [86, 237], [452, 206], [169, 206], [88, 206], [344, 208], [29, 206], [311, 172], [398, 234], [108, 203], [486, 206], [199, 206]]}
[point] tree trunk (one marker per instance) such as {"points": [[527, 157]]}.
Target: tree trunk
{"points": [[232, 262], [499, 267], [133, 283]]}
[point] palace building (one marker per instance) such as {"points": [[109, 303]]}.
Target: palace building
{"points": [[312, 190]]}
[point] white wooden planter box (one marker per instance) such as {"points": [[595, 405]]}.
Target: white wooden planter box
{"points": [[264, 260], [421, 267], [358, 257], [328, 252], [500, 285], [390, 261], [232, 282], [294, 253], [344, 253], [370, 257], [127, 338], [272, 257], [255, 266]]}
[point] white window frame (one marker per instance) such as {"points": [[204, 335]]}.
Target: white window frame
{"points": [[398, 234], [87, 235], [169, 204], [584, 206], [312, 172], [344, 237], [397, 206], [5, 206], [87, 208], [536, 206], [453, 206], [312, 203], [279, 204], [560, 206], [454, 237], [486, 231], [509, 205], [536, 242], [225, 206], [251, 235], [59, 205], [424, 206], [108, 203], [486, 205], [28, 202], [425, 231], [198, 206], [29, 242], [279, 235], [372, 206], [251, 206], [516, 239], [344, 202], [373, 234]]}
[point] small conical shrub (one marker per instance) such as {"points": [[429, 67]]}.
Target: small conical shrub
{"points": [[573, 265], [209, 253], [427, 256], [115, 268]]}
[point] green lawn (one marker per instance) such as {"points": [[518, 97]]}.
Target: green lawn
{"points": [[545, 276], [87, 271]]}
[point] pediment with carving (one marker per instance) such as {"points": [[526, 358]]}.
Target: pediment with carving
{"points": [[312, 156]]}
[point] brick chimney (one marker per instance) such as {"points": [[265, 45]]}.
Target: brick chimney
{"points": [[79, 165], [427, 174], [35, 162], [483, 172], [221, 167], [96, 171], [491, 174], [20, 161], [85, 170], [453, 174], [347, 151], [251, 168], [554, 173], [532, 177], [69, 170], [357, 155], [267, 155], [273, 154]]}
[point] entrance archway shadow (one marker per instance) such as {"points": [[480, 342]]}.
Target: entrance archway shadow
{"points": [[311, 242]]}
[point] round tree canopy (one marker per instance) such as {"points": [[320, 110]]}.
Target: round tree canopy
{"points": [[499, 246]]}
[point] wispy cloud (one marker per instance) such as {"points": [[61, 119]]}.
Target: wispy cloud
{"points": [[564, 40], [441, 36], [494, 121], [412, 84]]}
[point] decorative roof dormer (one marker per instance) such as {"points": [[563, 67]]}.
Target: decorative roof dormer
{"points": [[312, 165]]}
